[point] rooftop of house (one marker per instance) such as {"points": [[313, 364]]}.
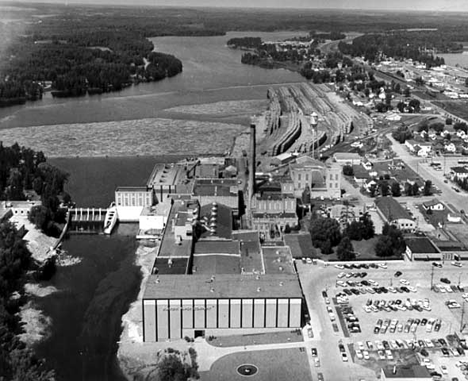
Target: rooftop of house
{"points": [[432, 202], [222, 286], [459, 170]]}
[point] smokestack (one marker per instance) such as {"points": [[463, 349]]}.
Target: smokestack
{"points": [[253, 164]]}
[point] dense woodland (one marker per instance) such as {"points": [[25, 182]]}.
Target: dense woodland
{"points": [[402, 45], [16, 361], [22, 169]]}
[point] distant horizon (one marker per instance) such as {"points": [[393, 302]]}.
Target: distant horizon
{"points": [[340, 5]]}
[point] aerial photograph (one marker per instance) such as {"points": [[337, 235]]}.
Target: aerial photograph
{"points": [[233, 190]]}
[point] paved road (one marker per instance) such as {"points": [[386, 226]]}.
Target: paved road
{"points": [[421, 166]]}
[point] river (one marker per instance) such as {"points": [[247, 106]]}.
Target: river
{"points": [[92, 295], [211, 73]]}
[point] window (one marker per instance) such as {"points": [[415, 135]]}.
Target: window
{"points": [[298, 177], [336, 176], [307, 177], [331, 176]]}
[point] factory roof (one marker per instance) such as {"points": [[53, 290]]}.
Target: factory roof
{"points": [[219, 217], [222, 286], [421, 245], [216, 264]]}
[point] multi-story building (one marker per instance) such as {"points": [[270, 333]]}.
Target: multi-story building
{"points": [[130, 202]]}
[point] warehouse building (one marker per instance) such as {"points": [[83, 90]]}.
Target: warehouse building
{"points": [[188, 305]]}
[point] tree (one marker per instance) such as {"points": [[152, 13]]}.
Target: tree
{"points": [[345, 250], [306, 195], [171, 368], [448, 121], [427, 188], [396, 191], [415, 187], [40, 217], [408, 189], [383, 186], [407, 92], [383, 247], [325, 233], [348, 170]]}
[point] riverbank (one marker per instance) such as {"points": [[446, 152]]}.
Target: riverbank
{"points": [[36, 324]]}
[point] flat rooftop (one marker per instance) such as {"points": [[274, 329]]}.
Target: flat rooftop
{"points": [[170, 266], [216, 264], [415, 371], [222, 286], [300, 244], [278, 260], [166, 174]]}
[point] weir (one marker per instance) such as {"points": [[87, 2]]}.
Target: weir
{"points": [[87, 220]]}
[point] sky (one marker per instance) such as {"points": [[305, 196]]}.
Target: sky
{"points": [[414, 5]]}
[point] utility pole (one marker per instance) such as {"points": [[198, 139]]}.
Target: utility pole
{"points": [[432, 278], [462, 316]]}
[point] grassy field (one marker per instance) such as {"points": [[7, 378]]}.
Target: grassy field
{"points": [[284, 364], [257, 339], [457, 108]]}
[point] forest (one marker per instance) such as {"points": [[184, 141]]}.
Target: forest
{"points": [[401, 45], [17, 362], [22, 169]]}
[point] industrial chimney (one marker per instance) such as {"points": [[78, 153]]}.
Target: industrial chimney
{"points": [[252, 163]]}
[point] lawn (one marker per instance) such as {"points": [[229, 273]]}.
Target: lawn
{"points": [[436, 217], [275, 364], [257, 339]]}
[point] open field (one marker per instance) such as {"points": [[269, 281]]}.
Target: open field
{"points": [[126, 138], [457, 108]]}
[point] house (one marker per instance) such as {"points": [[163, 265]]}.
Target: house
{"points": [[411, 144], [405, 373], [394, 214], [421, 248], [433, 204], [349, 158], [459, 173], [450, 147]]}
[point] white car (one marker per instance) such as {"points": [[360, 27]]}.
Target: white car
{"points": [[457, 264], [429, 343], [360, 345], [382, 265], [359, 354], [367, 309], [428, 364], [317, 362], [309, 260], [366, 355], [389, 355], [412, 289], [341, 275], [381, 355], [341, 267], [341, 283], [405, 282], [465, 295], [444, 370], [392, 289]]}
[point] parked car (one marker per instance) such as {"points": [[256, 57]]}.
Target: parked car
{"points": [[317, 362], [314, 352], [445, 280], [405, 282], [344, 357], [397, 274]]}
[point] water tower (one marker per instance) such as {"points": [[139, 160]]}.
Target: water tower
{"points": [[313, 126]]}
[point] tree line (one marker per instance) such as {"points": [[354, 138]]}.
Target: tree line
{"points": [[409, 45]]}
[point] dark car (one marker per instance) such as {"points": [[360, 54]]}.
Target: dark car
{"points": [[324, 294], [349, 267], [314, 352], [385, 344], [443, 342], [342, 348], [424, 321], [384, 290], [405, 289], [320, 377], [460, 351], [373, 266], [424, 352], [445, 352], [377, 290], [364, 266], [347, 292], [365, 283], [376, 330], [445, 280], [397, 274], [354, 291], [399, 289], [421, 343], [436, 264]]}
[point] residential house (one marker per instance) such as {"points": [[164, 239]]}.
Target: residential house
{"points": [[450, 147], [347, 158], [459, 173], [394, 214], [433, 204]]}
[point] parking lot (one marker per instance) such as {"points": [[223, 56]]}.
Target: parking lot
{"points": [[408, 314]]}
